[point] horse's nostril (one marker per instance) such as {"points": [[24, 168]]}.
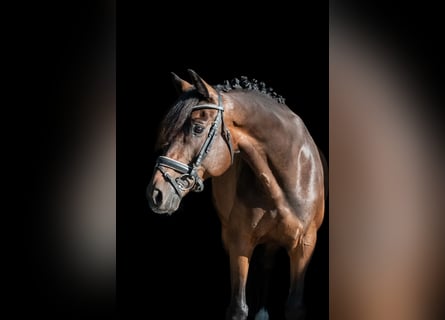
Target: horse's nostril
{"points": [[157, 197]]}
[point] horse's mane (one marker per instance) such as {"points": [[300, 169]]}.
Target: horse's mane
{"points": [[177, 116], [244, 83]]}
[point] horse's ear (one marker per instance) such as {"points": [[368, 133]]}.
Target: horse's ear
{"points": [[180, 85], [206, 90]]}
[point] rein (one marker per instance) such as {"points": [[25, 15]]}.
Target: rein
{"points": [[190, 180]]}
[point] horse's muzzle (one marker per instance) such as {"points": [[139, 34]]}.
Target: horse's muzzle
{"points": [[162, 199]]}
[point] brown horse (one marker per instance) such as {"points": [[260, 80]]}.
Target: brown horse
{"points": [[267, 176]]}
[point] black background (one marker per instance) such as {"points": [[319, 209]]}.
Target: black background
{"points": [[176, 266]]}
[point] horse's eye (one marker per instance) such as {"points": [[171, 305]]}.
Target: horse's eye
{"points": [[197, 129]]}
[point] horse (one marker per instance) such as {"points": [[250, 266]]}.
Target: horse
{"points": [[267, 176]]}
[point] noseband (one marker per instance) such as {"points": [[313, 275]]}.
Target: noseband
{"points": [[190, 180]]}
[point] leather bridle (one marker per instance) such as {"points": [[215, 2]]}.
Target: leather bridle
{"points": [[190, 180]]}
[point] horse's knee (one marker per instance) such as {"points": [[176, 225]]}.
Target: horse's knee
{"points": [[309, 239]]}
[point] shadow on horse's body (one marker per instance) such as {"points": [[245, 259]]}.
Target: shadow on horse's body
{"points": [[267, 177]]}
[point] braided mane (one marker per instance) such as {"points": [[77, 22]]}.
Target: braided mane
{"points": [[244, 83]]}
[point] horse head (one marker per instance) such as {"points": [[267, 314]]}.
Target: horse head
{"points": [[195, 144]]}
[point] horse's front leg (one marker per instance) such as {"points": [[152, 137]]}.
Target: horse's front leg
{"points": [[300, 256], [240, 250]]}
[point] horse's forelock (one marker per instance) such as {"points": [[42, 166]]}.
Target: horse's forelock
{"points": [[176, 117]]}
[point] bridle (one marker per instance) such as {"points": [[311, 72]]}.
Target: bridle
{"points": [[190, 180]]}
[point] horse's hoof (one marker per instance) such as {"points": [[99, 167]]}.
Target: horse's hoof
{"points": [[262, 315]]}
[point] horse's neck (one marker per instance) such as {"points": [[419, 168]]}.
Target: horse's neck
{"points": [[267, 137], [257, 115]]}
